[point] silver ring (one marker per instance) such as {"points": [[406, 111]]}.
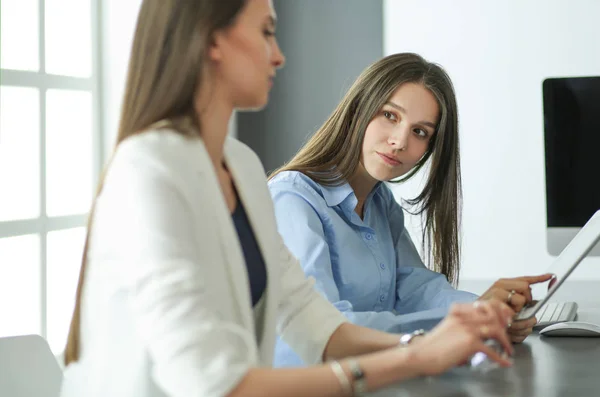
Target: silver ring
{"points": [[510, 295]]}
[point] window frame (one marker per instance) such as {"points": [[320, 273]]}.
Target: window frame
{"points": [[43, 81]]}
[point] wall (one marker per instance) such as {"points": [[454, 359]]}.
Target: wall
{"points": [[118, 24], [498, 53], [327, 45]]}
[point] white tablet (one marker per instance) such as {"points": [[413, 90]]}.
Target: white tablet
{"points": [[566, 262]]}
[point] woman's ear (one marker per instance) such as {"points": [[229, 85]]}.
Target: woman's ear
{"points": [[215, 50]]}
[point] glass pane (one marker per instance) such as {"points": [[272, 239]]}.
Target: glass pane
{"points": [[65, 248], [20, 285], [69, 37], [68, 152], [19, 34], [19, 153]]}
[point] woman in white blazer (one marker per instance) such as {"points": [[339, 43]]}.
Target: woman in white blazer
{"points": [[185, 281]]}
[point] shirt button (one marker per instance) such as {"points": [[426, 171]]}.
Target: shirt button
{"points": [[368, 236], [382, 265], [381, 298]]}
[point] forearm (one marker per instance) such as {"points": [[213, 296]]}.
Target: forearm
{"points": [[381, 369], [351, 340]]}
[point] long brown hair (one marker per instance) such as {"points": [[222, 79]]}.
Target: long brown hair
{"points": [[332, 155], [165, 69]]}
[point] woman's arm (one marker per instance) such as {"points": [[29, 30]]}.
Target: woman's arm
{"points": [[418, 288], [421, 289], [451, 343], [353, 340], [381, 369]]}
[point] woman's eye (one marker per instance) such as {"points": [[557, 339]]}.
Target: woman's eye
{"points": [[421, 133], [269, 33], [389, 115]]}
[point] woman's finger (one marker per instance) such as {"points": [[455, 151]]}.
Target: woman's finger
{"points": [[523, 324], [516, 301], [518, 338], [517, 285], [502, 311], [493, 331], [520, 332], [537, 279], [466, 310], [493, 355], [501, 336]]}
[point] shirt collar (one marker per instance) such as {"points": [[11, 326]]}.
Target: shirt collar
{"points": [[334, 195]]}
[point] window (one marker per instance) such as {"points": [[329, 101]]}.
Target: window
{"points": [[50, 158]]}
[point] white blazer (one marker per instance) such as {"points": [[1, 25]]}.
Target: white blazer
{"points": [[166, 307]]}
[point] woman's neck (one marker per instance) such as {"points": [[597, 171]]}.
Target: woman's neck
{"points": [[362, 184], [214, 113]]}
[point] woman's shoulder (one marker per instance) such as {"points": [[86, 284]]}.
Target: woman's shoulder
{"points": [[162, 158], [295, 182], [159, 145], [166, 147]]}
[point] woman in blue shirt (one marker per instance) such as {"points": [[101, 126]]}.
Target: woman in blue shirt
{"points": [[343, 223]]}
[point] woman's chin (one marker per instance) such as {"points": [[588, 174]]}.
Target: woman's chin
{"points": [[384, 174], [254, 104]]}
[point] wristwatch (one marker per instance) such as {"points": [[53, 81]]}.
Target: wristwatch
{"points": [[407, 338]]}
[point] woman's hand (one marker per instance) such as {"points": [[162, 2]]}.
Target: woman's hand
{"points": [[516, 292], [462, 334]]}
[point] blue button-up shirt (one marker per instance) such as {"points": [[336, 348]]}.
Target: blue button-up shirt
{"points": [[368, 268]]}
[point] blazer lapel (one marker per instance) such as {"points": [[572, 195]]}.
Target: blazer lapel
{"points": [[231, 248], [248, 197]]}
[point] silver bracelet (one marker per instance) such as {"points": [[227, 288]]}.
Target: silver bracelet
{"points": [[342, 378], [359, 383], [407, 338]]}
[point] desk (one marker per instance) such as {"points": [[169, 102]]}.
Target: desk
{"points": [[543, 366]]}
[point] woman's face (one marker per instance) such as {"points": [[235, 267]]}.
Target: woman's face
{"points": [[399, 134], [246, 55]]}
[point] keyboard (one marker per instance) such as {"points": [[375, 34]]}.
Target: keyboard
{"points": [[555, 312]]}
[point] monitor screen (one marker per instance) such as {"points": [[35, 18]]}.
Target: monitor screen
{"points": [[572, 139], [572, 155]]}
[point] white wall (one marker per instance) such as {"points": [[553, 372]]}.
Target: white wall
{"points": [[497, 53], [118, 24]]}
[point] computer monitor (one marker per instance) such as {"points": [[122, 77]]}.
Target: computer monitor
{"points": [[572, 155]]}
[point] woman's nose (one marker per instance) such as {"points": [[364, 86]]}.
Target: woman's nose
{"points": [[399, 139]]}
